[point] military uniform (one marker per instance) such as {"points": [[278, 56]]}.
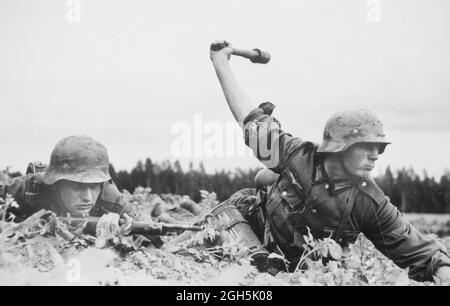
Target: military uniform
{"points": [[76, 158], [32, 195], [304, 196]]}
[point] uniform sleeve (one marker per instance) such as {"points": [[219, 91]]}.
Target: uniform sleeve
{"points": [[111, 200], [264, 136], [403, 243]]}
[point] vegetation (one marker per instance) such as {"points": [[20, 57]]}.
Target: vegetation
{"points": [[38, 252]]}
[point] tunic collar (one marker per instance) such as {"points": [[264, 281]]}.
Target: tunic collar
{"points": [[334, 185]]}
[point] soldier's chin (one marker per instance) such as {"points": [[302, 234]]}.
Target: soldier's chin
{"points": [[362, 173], [365, 173]]}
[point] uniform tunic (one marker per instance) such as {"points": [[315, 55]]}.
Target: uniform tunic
{"points": [[341, 208]]}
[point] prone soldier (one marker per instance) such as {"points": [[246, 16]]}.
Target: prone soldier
{"points": [[76, 182], [324, 188]]}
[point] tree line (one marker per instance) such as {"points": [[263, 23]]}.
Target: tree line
{"points": [[412, 193], [406, 189], [168, 177]]}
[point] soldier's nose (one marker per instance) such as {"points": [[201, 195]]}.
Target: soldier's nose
{"points": [[86, 195]]}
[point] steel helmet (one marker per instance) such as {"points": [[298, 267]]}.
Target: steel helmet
{"points": [[347, 128], [79, 159]]}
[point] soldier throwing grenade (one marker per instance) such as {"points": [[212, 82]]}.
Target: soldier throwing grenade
{"points": [[326, 188]]}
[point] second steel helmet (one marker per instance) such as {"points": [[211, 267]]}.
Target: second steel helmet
{"points": [[347, 128], [79, 159]]}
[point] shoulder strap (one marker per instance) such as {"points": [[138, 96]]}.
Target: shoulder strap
{"points": [[350, 202]]}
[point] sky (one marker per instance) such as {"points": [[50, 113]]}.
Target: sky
{"points": [[128, 73]]}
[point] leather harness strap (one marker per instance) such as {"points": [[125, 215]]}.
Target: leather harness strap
{"points": [[350, 202]]}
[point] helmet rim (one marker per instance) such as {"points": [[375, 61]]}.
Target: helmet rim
{"points": [[344, 129], [78, 159]]}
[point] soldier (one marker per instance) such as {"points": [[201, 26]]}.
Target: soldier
{"points": [[77, 182], [326, 188]]}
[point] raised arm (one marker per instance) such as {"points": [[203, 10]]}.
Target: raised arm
{"points": [[262, 132], [239, 103]]}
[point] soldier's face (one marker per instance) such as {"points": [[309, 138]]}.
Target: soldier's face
{"points": [[78, 198], [359, 160]]}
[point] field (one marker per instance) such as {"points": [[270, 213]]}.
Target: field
{"points": [[34, 253], [438, 224]]}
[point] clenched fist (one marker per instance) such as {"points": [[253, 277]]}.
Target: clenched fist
{"points": [[220, 49]]}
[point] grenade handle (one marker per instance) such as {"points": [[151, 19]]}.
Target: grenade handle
{"points": [[254, 55]]}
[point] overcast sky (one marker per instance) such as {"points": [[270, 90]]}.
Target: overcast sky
{"points": [[129, 70]]}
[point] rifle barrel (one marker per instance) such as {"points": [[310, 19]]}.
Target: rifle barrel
{"points": [[136, 227]]}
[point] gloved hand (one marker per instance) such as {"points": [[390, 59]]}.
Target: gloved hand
{"points": [[220, 50], [109, 228], [270, 264]]}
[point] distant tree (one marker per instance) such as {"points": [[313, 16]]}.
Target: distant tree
{"points": [[138, 175], [405, 188], [124, 181], [445, 189], [179, 177], [388, 182], [149, 173]]}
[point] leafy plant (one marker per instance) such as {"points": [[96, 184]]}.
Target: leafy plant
{"points": [[40, 246]]}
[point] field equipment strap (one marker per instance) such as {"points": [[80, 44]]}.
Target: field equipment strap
{"points": [[268, 236], [260, 210], [350, 202]]}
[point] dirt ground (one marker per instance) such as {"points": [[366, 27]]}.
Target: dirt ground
{"points": [[31, 256]]}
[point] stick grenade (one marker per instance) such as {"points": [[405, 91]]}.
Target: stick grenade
{"points": [[255, 56]]}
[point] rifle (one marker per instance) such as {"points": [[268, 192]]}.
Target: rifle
{"points": [[137, 228]]}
